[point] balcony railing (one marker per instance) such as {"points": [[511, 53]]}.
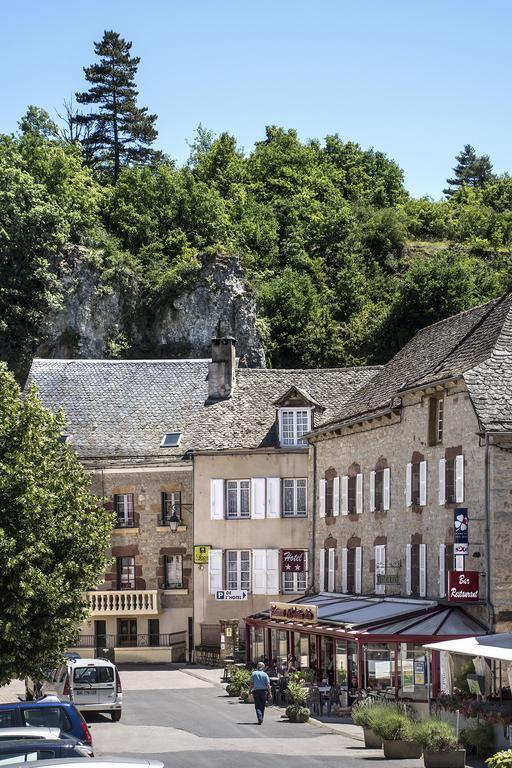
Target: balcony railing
{"points": [[166, 640], [123, 602]]}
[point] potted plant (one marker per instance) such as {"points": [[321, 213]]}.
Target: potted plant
{"points": [[501, 759], [478, 739], [362, 714], [396, 730], [440, 745], [240, 680], [291, 712], [296, 711]]}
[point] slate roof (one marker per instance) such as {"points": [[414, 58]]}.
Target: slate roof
{"points": [[121, 409], [475, 344]]}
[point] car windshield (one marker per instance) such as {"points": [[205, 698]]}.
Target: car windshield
{"points": [[92, 675]]}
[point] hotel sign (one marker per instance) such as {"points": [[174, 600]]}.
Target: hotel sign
{"points": [[292, 561], [463, 586], [305, 614]]}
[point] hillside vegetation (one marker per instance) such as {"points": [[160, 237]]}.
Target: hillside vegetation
{"points": [[346, 266]]}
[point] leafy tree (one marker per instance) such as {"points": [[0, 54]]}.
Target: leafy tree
{"points": [[471, 170], [53, 535], [119, 132]]}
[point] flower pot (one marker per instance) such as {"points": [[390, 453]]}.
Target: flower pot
{"points": [[401, 750], [455, 758], [371, 740]]}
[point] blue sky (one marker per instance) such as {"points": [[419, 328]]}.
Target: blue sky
{"points": [[416, 79]]}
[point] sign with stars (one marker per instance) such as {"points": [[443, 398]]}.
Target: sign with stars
{"points": [[292, 560]]}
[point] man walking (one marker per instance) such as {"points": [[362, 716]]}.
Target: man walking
{"points": [[260, 686]]}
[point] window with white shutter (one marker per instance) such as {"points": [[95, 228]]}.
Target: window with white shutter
{"points": [[238, 569], [217, 500], [454, 480], [215, 581], [344, 569], [423, 570], [123, 503], [408, 485], [273, 571], [459, 479], [259, 570], [423, 483], [336, 496], [380, 568], [359, 570], [258, 498], [372, 490], [408, 569], [386, 488], [359, 493], [442, 570], [294, 497], [331, 569], [237, 499], [344, 495], [442, 481], [322, 488], [273, 497], [321, 563]]}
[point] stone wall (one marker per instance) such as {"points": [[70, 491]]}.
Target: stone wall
{"points": [[500, 462]]}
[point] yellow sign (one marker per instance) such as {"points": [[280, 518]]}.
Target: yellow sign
{"points": [[201, 552]]}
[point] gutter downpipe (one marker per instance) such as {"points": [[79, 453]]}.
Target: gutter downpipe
{"points": [[490, 606]]}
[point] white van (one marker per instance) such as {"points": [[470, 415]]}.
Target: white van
{"points": [[93, 685]]}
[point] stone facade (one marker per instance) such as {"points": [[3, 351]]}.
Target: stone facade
{"points": [[500, 533]]}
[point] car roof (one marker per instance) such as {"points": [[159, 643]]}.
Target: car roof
{"points": [[89, 663], [50, 701], [27, 732], [99, 762], [34, 744]]}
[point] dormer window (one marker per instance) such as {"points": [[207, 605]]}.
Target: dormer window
{"points": [[293, 423]]}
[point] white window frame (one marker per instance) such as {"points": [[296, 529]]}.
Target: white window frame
{"points": [[238, 487], [380, 567], [174, 564], [237, 583], [295, 439], [297, 582], [122, 507], [293, 482]]}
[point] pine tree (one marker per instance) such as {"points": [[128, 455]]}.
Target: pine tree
{"points": [[118, 131], [471, 170]]}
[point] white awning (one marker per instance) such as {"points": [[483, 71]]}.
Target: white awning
{"points": [[497, 646]]}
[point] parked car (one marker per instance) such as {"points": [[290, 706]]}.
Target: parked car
{"points": [[6, 734], [48, 712], [30, 750], [93, 685]]}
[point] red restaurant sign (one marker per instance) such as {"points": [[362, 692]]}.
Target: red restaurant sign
{"points": [[463, 586], [292, 561], [305, 614]]}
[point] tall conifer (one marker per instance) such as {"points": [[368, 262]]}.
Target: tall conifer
{"points": [[118, 131], [471, 170]]}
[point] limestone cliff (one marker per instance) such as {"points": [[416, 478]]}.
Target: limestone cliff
{"points": [[109, 321]]}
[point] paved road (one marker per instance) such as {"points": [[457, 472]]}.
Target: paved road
{"points": [[184, 718]]}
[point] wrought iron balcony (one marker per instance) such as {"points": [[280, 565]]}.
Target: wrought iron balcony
{"points": [[123, 602]]}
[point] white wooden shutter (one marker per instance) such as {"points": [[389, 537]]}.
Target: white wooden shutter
{"points": [[336, 496], [344, 573], [359, 570], [442, 481], [344, 495], [322, 487], [380, 567], [372, 490], [408, 579], [408, 485], [272, 572], [259, 571], [459, 562], [442, 570], [359, 493], [459, 478], [330, 573], [423, 483], [321, 587], [258, 498], [273, 497], [215, 570], [217, 500], [423, 570], [386, 484]]}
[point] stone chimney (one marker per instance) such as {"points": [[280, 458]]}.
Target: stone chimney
{"points": [[221, 370]]}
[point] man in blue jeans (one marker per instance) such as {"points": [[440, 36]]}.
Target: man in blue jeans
{"points": [[260, 686]]}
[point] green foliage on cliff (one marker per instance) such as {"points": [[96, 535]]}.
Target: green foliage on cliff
{"points": [[345, 264]]}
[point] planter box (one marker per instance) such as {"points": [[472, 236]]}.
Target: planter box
{"points": [[453, 759], [402, 750], [371, 740]]}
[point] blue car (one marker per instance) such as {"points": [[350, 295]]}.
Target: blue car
{"points": [[48, 712]]}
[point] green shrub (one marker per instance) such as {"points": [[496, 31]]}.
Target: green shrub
{"points": [[232, 689], [308, 675], [501, 759], [303, 714], [296, 693], [239, 679], [478, 739], [392, 725], [436, 735], [291, 712], [364, 712]]}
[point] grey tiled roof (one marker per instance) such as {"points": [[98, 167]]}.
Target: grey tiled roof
{"points": [[475, 344], [123, 408]]}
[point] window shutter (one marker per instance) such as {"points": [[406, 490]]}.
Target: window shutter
{"points": [[272, 572], [344, 567], [322, 487], [273, 496], [215, 570], [344, 495], [321, 587], [386, 483], [336, 496], [442, 570], [408, 485], [442, 481], [259, 571], [423, 570], [372, 490], [423, 483], [217, 499], [359, 570], [330, 574], [459, 478], [258, 498], [408, 579], [129, 508], [359, 493], [459, 562], [380, 567]]}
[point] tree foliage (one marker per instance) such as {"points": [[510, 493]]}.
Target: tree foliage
{"points": [[53, 535], [470, 171]]}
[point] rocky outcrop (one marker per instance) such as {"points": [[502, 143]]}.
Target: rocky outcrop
{"points": [[99, 321]]}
